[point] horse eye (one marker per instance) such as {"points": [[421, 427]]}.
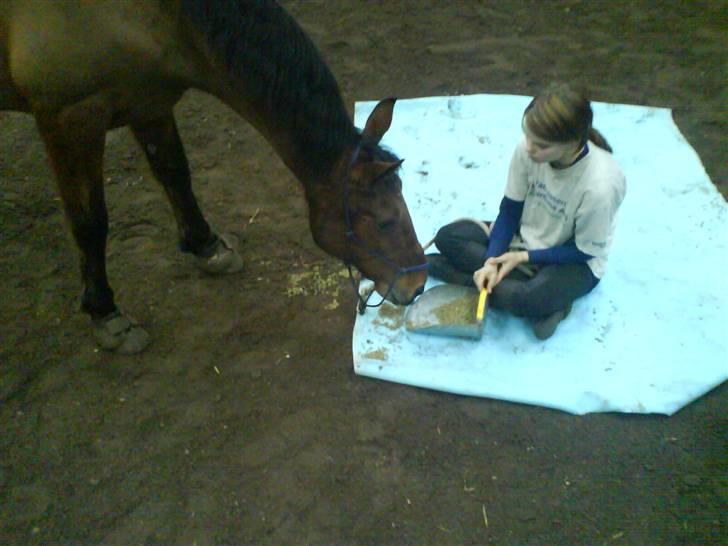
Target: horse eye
{"points": [[386, 225]]}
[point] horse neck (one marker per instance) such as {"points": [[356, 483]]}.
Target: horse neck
{"points": [[315, 142], [262, 64]]}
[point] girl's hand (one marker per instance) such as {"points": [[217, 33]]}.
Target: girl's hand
{"points": [[485, 277], [508, 262]]}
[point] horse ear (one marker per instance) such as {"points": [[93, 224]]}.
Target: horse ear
{"points": [[379, 120], [383, 168]]}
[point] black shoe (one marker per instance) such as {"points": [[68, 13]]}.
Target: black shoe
{"points": [[545, 327], [439, 267]]}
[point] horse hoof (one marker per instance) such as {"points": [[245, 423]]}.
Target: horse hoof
{"points": [[224, 260], [119, 334]]}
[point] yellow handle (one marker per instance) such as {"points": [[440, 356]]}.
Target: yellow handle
{"points": [[481, 304]]}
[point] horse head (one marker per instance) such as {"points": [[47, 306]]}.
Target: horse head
{"points": [[362, 217]]}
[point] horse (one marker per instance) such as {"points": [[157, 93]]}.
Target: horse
{"points": [[84, 68]]}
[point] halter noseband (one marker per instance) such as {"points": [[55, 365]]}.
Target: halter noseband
{"points": [[351, 236]]}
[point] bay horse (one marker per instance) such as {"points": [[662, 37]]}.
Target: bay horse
{"points": [[82, 68]]}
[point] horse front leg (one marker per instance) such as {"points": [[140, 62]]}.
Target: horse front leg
{"points": [[74, 139], [165, 153]]}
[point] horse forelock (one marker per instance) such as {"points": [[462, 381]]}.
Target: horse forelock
{"points": [[372, 151], [384, 183], [280, 70]]}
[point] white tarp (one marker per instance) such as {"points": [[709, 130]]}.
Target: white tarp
{"points": [[653, 335]]}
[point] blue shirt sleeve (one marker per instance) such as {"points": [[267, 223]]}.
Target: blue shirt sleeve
{"points": [[561, 254], [508, 220], [505, 226]]}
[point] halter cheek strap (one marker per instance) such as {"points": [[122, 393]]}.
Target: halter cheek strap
{"points": [[351, 236]]}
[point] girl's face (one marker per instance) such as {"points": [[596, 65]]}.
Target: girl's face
{"points": [[544, 151]]}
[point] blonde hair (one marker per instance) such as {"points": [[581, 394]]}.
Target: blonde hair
{"points": [[563, 114]]}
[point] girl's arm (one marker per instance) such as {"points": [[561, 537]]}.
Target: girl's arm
{"points": [[561, 254], [505, 226]]}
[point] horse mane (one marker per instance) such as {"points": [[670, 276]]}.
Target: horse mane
{"points": [[281, 70]]}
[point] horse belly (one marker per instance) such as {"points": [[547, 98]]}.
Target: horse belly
{"points": [[10, 99]]}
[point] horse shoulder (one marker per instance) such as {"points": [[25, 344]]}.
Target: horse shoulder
{"points": [[59, 51]]}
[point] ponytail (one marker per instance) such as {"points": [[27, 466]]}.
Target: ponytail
{"points": [[598, 138]]}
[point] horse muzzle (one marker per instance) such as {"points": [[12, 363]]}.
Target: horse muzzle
{"points": [[404, 290]]}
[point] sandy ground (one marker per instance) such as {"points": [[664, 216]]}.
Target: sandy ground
{"points": [[244, 422]]}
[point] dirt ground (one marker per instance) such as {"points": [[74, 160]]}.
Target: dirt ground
{"points": [[244, 422]]}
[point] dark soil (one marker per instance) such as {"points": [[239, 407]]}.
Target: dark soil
{"points": [[244, 422]]}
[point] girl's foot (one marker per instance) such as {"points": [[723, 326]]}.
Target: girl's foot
{"points": [[545, 327]]}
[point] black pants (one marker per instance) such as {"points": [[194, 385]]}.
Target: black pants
{"points": [[551, 289]]}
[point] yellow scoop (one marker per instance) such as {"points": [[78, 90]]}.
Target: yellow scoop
{"points": [[480, 313]]}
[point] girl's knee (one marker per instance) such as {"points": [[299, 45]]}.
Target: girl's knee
{"points": [[445, 238], [455, 234]]}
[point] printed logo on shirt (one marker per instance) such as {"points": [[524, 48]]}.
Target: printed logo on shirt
{"points": [[553, 205]]}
